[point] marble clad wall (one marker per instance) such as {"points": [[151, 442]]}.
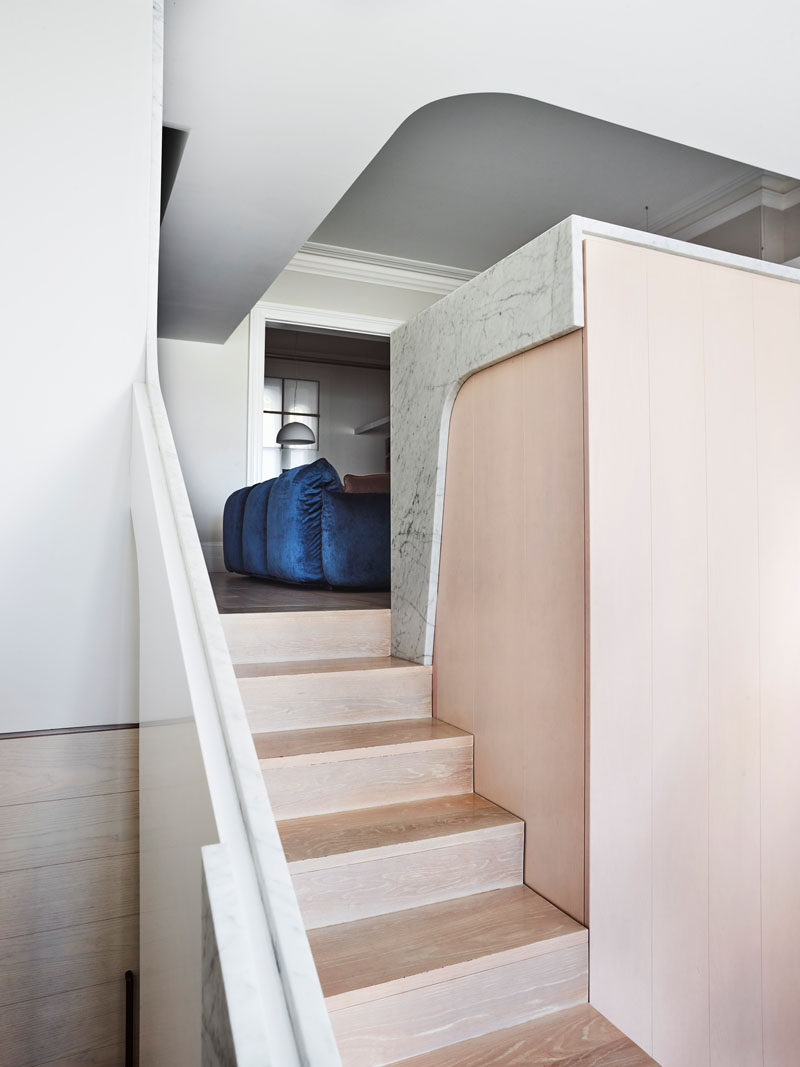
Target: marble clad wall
{"points": [[531, 296]]}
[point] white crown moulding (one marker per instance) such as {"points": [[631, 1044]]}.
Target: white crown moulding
{"points": [[725, 203], [323, 318], [377, 269]]}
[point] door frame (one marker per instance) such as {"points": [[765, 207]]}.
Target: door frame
{"points": [[289, 315]]}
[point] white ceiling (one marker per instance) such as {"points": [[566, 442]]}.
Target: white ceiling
{"points": [[287, 103], [465, 181]]}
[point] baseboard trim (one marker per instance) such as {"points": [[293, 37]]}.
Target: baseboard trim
{"points": [[70, 730], [213, 555]]}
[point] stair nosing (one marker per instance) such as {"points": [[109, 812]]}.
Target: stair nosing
{"points": [[349, 755], [422, 979], [442, 735], [301, 668]]}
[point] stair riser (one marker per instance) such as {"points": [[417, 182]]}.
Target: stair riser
{"points": [[340, 698], [474, 863], [410, 1023], [269, 637], [343, 785]]}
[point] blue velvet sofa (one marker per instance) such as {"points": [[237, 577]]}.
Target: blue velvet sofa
{"points": [[303, 528]]}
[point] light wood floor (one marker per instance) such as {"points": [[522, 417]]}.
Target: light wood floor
{"points": [[240, 593], [429, 947]]}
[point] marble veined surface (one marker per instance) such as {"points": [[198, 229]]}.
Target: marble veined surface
{"points": [[532, 296], [234, 1028]]}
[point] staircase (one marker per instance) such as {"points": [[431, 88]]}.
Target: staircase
{"points": [[430, 950]]}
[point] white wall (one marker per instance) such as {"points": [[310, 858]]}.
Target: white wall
{"points": [[348, 397], [75, 186], [205, 392]]}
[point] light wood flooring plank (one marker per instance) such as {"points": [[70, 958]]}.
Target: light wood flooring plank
{"points": [[320, 665], [419, 1020], [342, 692], [62, 831], [575, 1037], [329, 743], [48, 898], [80, 1026], [258, 637], [327, 838], [59, 766], [108, 1056], [376, 957], [73, 957], [396, 777], [411, 875]]}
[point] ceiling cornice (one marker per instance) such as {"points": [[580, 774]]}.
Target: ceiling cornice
{"points": [[375, 268], [290, 315], [728, 202]]}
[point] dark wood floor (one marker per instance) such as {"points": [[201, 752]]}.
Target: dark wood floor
{"points": [[238, 593]]}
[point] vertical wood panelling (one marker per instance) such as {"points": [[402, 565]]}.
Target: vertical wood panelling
{"points": [[499, 553], [776, 325], [694, 544], [454, 662], [620, 605], [734, 910], [679, 661], [509, 655], [554, 635], [69, 878], [692, 378]]}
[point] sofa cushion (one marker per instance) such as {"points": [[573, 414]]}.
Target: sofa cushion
{"points": [[254, 529], [366, 483], [232, 516], [294, 516], [355, 539]]}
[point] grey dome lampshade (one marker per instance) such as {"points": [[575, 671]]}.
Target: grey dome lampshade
{"points": [[295, 433]]}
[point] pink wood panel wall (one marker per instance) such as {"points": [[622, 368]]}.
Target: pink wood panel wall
{"points": [[509, 653], [693, 416]]}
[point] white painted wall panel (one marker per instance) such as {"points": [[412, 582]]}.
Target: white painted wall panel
{"points": [[76, 188]]}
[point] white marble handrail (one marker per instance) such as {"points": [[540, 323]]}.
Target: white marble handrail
{"points": [[246, 826]]}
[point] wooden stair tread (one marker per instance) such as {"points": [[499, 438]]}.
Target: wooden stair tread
{"points": [[388, 827], [375, 957], [575, 1037], [326, 743], [275, 668]]}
